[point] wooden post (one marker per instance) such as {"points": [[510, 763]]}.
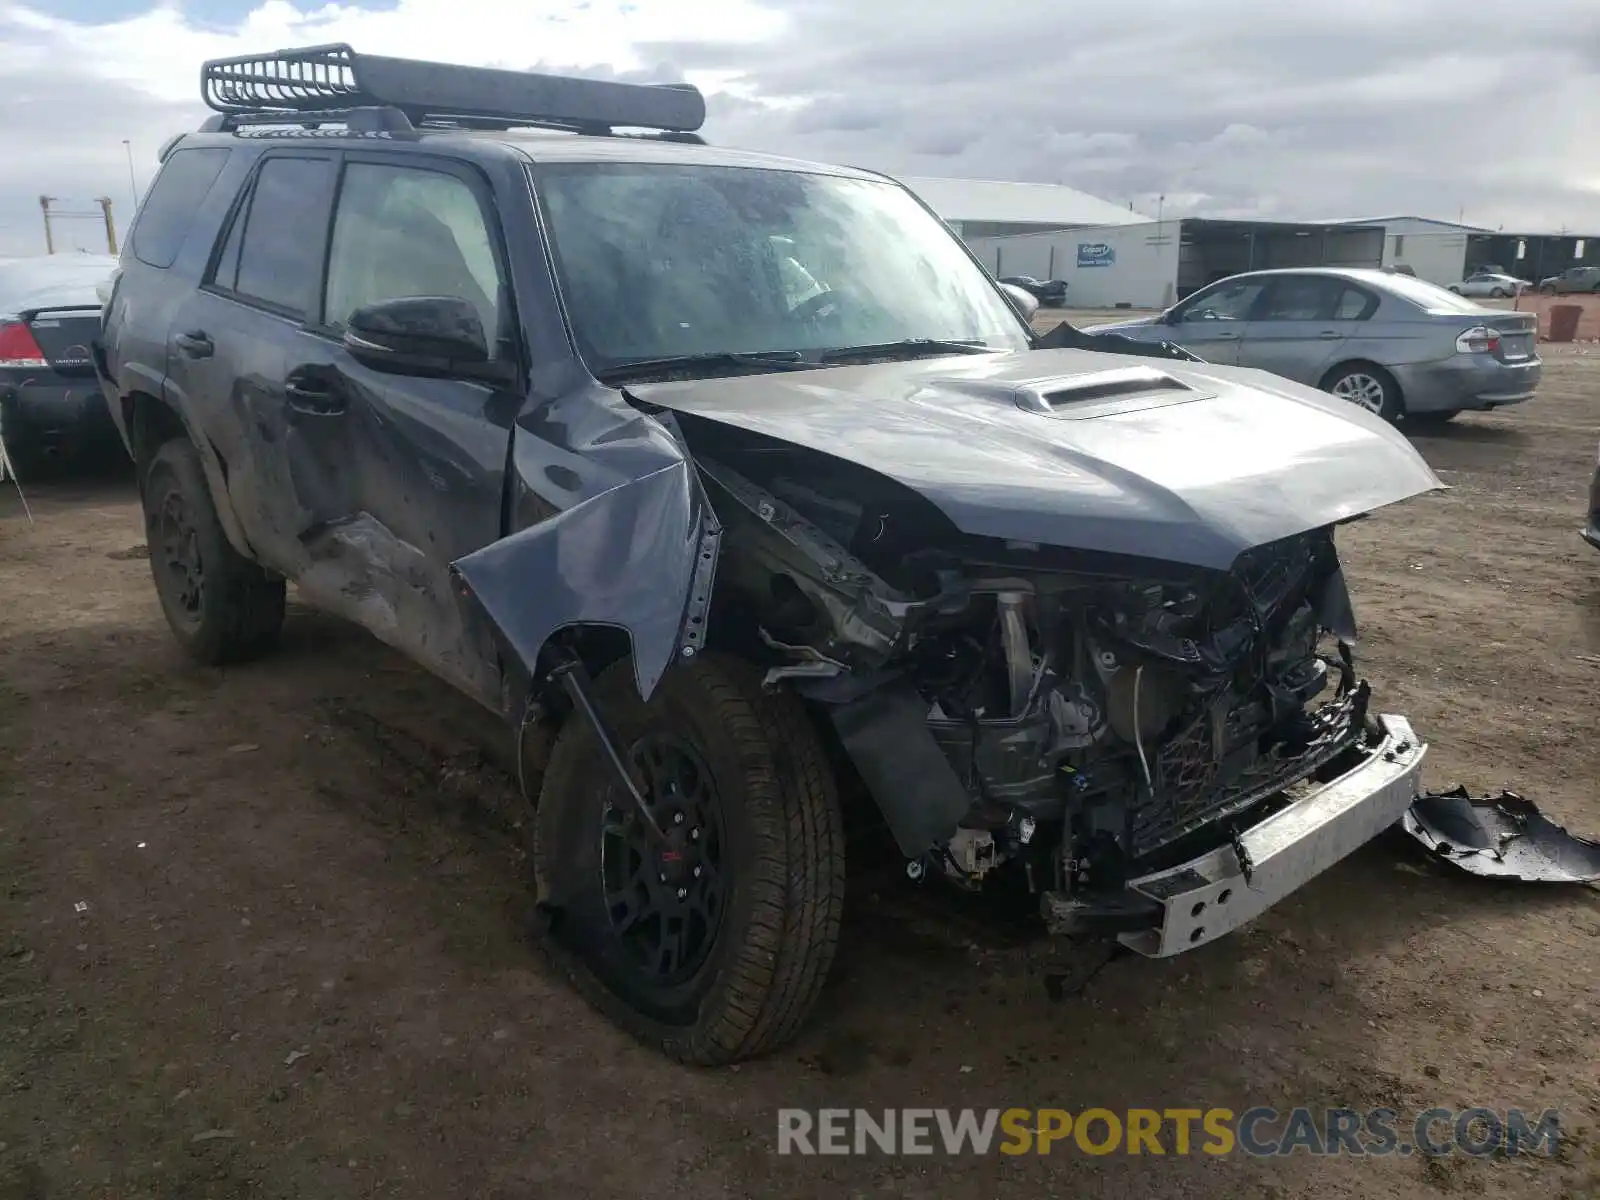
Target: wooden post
{"points": [[49, 239], [111, 228]]}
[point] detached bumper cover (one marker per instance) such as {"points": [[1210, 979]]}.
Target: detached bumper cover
{"points": [[1209, 896]]}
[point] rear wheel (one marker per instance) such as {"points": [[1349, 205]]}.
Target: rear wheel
{"points": [[713, 941], [1367, 385], [221, 606], [1498, 293]]}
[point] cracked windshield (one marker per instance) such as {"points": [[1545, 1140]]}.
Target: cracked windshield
{"points": [[666, 260]]}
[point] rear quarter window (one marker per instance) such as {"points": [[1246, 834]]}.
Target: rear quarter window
{"points": [[185, 180], [1429, 296]]}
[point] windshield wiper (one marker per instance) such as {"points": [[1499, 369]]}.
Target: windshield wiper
{"points": [[771, 360], [909, 348]]}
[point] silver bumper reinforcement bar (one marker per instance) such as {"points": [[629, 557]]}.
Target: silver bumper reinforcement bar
{"points": [[1218, 892]]}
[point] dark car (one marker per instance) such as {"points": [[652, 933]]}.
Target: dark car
{"points": [[672, 459], [1051, 293], [1573, 279], [50, 403]]}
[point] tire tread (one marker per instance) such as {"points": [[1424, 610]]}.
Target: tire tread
{"points": [[244, 608], [795, 872]]}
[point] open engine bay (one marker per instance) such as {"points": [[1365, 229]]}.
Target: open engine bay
{"points": [[1093, 718]]}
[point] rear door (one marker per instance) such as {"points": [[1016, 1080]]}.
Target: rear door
{"points": [[229, 338], [1300, 326], [1212, 321]]}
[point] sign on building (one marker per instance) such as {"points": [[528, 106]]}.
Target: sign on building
{"points": [[1096, 254]]}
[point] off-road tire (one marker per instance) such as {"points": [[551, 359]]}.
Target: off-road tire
{"points": [[238, 613], [782, 859]]}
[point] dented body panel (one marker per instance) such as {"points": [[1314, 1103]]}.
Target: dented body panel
{"points": [[1030, 447]]}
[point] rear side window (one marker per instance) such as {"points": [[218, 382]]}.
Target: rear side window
{"points": [[179, 190], [273, 252], [1355, 305], [1429, 296]]}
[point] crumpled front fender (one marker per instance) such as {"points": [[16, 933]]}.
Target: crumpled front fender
{"points": [[638, 557]]}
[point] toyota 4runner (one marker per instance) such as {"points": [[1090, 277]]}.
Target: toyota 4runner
{"points": [[734, 485]]}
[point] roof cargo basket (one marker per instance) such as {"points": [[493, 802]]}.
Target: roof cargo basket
{"points": [[315, 83]]}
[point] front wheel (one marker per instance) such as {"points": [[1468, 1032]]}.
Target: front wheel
{"points": [[1368, 386], [713, 940], [1498, 293], [1547, 290], [221, 606]]}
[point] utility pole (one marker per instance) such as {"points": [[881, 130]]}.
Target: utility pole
{"points": [[49, 238], [111, 228]]}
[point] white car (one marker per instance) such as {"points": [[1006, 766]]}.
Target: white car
{"points": [[1489, 283]]}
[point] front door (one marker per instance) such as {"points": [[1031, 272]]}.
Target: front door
{"points": [[422, 460], [1211, 322]]}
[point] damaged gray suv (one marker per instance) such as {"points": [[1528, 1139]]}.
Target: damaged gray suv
{"points": [[743, 495]]}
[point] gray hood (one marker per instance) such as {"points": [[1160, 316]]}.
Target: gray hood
{"points": [[1185, 462]]}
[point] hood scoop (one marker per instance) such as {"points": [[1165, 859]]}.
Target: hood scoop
{"points": [[1101, 393], [1085, 394]]}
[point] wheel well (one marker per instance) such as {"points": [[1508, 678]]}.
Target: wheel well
{"points": [[597, 647], [1367, 365], [151, 423]]}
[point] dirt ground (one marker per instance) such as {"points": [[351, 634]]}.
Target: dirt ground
{"points": [[262, 929]]}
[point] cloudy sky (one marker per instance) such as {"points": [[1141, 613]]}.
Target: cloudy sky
{"points": [[1306, 108]]}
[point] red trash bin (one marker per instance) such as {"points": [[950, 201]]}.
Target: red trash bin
{"points": [[1564, 320]]}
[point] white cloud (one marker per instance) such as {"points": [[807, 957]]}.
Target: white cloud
{"points": [[1235, 107]]}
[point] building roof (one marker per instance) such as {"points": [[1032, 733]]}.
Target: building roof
{"points": [[1405, 217], [1017, 203]]}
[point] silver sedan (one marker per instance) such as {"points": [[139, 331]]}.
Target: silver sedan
{"points": [[1394, 344], [1490, 283]]}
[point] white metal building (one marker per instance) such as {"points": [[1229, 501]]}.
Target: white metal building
{"points": [[1435, 250], [988, 208]]}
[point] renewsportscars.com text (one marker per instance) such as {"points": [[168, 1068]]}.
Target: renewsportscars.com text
{"points": [[1259, 1132]]}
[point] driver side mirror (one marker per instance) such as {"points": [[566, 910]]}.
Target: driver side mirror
{"points": [[422, 335], [1024, 301]]}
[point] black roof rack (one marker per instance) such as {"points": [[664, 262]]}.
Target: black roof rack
{"points": [[316, 84]]}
